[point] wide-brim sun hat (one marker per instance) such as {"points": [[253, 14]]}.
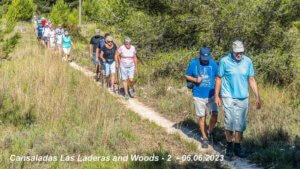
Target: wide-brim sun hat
{"points": [[238, 47]]}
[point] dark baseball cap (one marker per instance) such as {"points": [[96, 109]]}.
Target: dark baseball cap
{"points": [[204, 53]]}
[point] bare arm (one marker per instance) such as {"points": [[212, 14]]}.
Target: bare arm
{"points": [[217, 91], [135, 62], [101, 56], [254, 88], [193, 79], [91, 50], [117, 58]]}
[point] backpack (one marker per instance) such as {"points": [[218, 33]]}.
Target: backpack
{"points": [[101, 42], [189, 84]]}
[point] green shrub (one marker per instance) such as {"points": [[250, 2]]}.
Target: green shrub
{"points": [[59, 13], [275, 67], [113, 11], [19, 10], [9, 45], [73, 18], [90, 10]]}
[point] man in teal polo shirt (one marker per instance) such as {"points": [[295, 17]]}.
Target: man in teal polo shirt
{"points": [[234, 73]]}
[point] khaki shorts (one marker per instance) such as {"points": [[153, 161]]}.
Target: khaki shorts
{"points": [[202, 103]]}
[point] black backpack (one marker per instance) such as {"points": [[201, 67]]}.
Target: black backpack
{"points": [[189, 84]]}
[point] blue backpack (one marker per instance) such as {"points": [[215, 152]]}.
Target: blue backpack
{"points": [[101, 42], [189, 84]]}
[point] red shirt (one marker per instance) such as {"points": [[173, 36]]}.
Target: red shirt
{"points": [[44, 22]]}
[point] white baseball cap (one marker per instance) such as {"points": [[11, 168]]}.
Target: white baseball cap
{"points": [[237, 46]]}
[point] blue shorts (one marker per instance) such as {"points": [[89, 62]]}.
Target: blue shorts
{"points": [[127, 72], [46, 39], [235, 111]]}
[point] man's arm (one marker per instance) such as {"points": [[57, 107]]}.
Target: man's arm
{"points": [[254, 88], [217, 91], [192, 79]]}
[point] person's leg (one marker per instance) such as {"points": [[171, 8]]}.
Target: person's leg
{"points": [[212, 122], [97, 71], [124, 77], [200, 105], [107, 74], [112, 80], [69, 54], [241, 108], [214, 115], [113, 72], [229, 135], [202, 126], [229, 122], [125, 87], [131, 82], [238, 136]]}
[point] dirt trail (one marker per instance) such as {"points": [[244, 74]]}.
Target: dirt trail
{"points": [[148, 113]]}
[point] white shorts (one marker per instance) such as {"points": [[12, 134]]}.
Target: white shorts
{"points": [[67, 51], [127, 72], [109, 67], [52, 44], [202, 103]]}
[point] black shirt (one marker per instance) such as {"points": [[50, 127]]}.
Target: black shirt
{"points": [[109, 54]]}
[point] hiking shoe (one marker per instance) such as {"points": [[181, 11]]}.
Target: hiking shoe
{"points": [[229, 152], [131, 93], [238, 151], [205, 143], [126, 97]]}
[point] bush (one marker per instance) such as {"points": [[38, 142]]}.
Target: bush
{"points": [[90, 10], [275, 67], [19, 10], [9, 45], [59, 13], [113, 11]]}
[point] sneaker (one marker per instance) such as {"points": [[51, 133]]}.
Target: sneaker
{"points": [[205, 143], [229, 152], [131, 93], [126, 97], [238, 151]]}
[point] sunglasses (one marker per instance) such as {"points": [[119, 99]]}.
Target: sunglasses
{"points": [[109, 41]]}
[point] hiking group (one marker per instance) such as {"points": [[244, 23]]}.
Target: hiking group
{"points": [[109, 61], [213, 85], [57, 39]]}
